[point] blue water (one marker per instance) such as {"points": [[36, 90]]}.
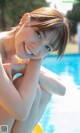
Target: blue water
{"points": [[62, 114]]}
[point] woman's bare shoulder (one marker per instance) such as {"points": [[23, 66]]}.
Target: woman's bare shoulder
{"points": [[0, 50], [1, 37]]}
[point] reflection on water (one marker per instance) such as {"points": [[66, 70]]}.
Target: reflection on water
{"points": [[69, 64], [63, 112], [66, 109]]}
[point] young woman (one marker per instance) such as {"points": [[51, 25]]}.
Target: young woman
{"points": [[24, 99]]}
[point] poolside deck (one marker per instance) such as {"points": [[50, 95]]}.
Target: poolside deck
{"points": [[71, 49]]}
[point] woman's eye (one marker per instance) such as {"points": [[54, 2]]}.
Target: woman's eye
{"points": [[39, 34], [48, 48]]}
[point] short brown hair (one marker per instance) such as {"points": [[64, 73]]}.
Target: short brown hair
{"points": [[49, 19]]}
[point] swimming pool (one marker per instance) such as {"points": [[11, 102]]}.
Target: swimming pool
{"points": [[62, 114]]}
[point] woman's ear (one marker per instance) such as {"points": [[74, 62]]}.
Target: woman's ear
{"points": [[24, 18]]}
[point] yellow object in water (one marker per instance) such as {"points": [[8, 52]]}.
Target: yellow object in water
{"points": [[38, 129]]}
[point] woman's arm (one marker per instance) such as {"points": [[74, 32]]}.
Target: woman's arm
{"points": [[18, 104], [29, 123], [50, 81]]}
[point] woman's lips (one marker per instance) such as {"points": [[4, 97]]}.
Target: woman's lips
{"points": [[25, 49]]}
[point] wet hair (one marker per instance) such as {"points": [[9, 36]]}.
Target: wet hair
{"points": [[49, 19]]}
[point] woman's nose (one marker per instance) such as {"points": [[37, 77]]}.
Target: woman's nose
{"points": [[35, 48]]}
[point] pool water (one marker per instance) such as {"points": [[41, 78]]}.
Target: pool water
{"points": [[62, 114]]}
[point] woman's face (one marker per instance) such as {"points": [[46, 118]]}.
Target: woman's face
{"points": [[31, 43]]}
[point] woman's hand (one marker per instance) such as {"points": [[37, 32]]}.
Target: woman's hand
{"points": [[12, 69], [17, 65]]}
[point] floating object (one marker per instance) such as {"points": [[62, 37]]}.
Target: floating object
{"points": [[38, 129]]}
